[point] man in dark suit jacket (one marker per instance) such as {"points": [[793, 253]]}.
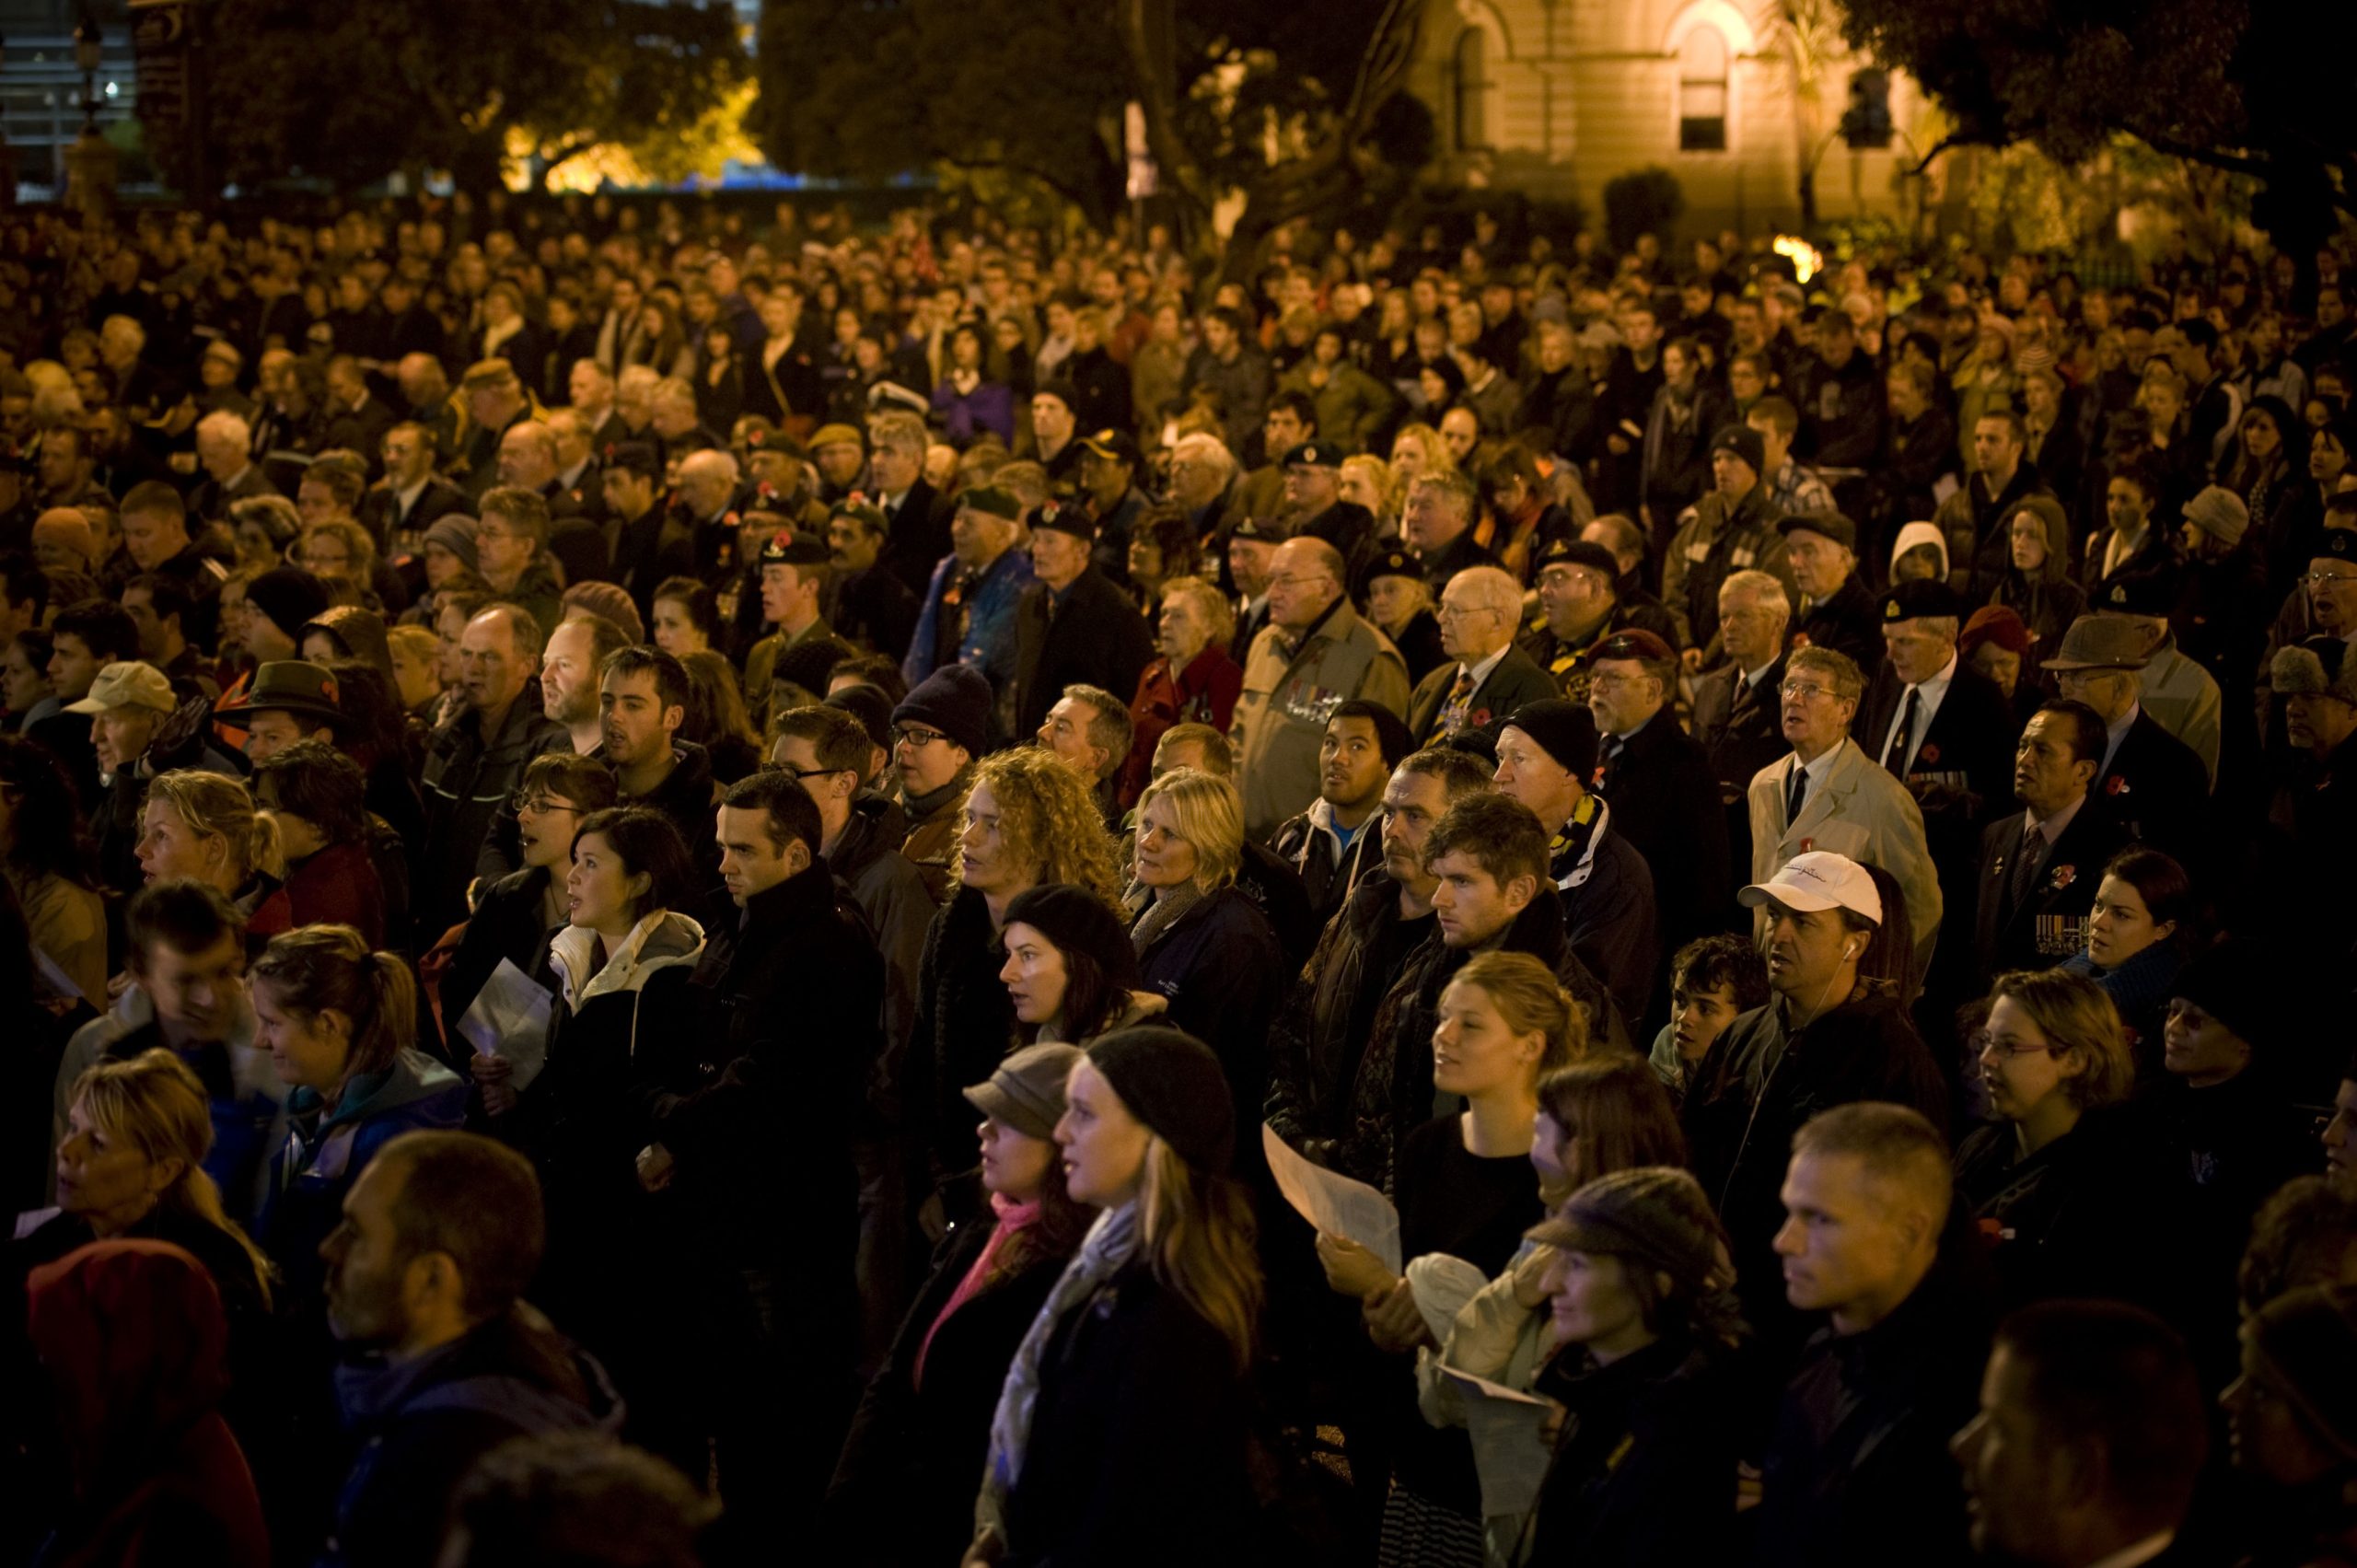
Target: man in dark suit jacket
{"points": [[1073, 627], [2040, 867], [1657, 780], [1738, 716], [356, 420], [1947, 732], [2150, 782], [411, 497], [1478, 612], [1835, 611]]}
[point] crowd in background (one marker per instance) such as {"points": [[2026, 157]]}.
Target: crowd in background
{"points": [[685, 889]]}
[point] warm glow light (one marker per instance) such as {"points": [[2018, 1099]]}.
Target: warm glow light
{"points": [[1807, 261]]}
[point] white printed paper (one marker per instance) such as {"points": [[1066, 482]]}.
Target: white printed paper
{"points": [[509, 1019], [1333, 1202], [1510, 1449]]}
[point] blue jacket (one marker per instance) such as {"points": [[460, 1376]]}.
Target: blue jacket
{"points": [[989, 643], [326, 1150]]}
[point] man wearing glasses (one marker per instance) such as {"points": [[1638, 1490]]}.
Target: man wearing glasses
{"points": [[2150, 780], [1315, 655], [1489, 678], [1830, 796], [937, 731]]}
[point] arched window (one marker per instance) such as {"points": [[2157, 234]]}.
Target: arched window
{"points": [[1469, 67], [1702, 91]]}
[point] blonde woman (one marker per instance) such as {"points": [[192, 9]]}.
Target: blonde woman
{"points": [[206, 826], [1466, 1190], [2061, 1180], [1201, 942], [133, 1164], [1367, 480], [1121, 1429], [1416, 451]]}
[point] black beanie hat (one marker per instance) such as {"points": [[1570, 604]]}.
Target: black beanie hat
{"points": [[1077, 921], [2235, 983], [1171, 1082], [1564, 730], [289, 595], [955, 700], [870, 706]]}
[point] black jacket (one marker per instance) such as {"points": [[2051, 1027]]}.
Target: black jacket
{"points": [[965, 1025], [1847, 622], [1760, 1081], [786, 1034], [2078, 1218], [1095, 637], [917, 536], [506, 924], [466, 782], [1858, 1458], [1640, 1475], [1665, 802], [1313, 1051], [1327, 876], [1139, 1438], [422, 1424], [2005, 933], [2155, 786], [903, 1490], [1221, 968]]}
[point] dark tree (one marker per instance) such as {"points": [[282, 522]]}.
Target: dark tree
{"points": [[1038, 88], [353, 92], [2258, 86]]}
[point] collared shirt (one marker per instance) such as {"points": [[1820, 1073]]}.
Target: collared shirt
{"points": [[2048, 830], [1927, 705], [406, 501], [1481, 672], [2117, 731], [1818, 772]]}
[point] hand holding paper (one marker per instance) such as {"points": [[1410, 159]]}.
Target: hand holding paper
{"points": [[509, 1019], [1334, 1204]]}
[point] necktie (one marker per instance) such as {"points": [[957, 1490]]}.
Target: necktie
{"points": [[2031, 850], [1460, 698], [1794, 792], [1613, 747], [1894, 754]]}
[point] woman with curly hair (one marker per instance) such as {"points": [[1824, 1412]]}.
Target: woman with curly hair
{"points": [[1029, 819]]}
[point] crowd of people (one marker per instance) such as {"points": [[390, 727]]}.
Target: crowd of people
{"points": [[686, 891]]}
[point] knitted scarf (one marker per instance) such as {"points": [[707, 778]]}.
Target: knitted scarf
{"points": [[1162, 913], [1111, 1242]]}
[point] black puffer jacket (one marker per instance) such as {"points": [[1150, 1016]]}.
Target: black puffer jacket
{"points": [[965, 1024], [1760, 1080]]}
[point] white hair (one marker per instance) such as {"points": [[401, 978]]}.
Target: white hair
{"points": [[1201, 448], [713, 459], [1762, 588], [227, 427]]}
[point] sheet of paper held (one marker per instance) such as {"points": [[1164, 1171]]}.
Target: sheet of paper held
{"points": [[509, 1019], [1334, 1204], [1510, 1451]]}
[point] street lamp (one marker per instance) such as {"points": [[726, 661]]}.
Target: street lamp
{"points": [[88, 48]]}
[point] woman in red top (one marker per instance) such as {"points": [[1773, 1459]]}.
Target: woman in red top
{"points": [[1194, 681]]}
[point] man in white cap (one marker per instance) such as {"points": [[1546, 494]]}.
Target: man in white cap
{"points": [[1833, 1033]]}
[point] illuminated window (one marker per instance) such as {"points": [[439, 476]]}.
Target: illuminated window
{"points": [[1702, 91]]}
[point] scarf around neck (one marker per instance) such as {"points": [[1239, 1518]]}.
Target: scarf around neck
{"points": [[1112, 1243]]}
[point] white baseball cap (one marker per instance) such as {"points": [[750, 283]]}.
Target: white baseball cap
{"points": [[1818, 880]]}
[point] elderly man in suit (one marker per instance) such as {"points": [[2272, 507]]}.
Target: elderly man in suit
{"points": [[1828, 795], [2039, 865], [1072, 626], [1946, 732], [1488, 677], [1657, 779], [1736, 720], [2151, 782]]}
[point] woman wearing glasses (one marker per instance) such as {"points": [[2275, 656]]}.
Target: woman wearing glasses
{"points": [[2058, 1186], [515, 917]]}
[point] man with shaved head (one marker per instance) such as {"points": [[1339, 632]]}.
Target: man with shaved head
{"points": [[1487, 677], [1858, 1455], [1315, 654]]}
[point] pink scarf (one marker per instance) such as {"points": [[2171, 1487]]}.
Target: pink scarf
{"points": [[1012, 1217]]}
